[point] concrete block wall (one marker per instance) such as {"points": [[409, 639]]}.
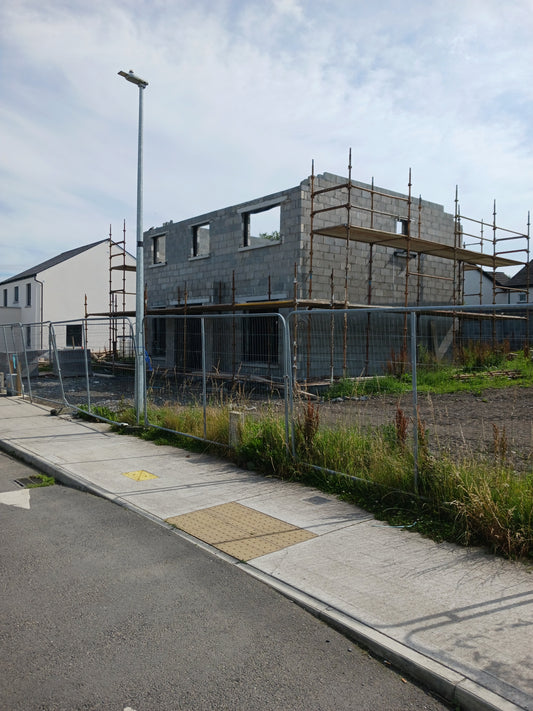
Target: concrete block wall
{"points": [[388, 270], [208, 278]]}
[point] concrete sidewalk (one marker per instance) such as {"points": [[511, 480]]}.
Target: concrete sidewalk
{"points": [[459, 620]]}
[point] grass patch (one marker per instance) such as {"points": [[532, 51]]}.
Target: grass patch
{"points": [[476, 368], [39, 480]]}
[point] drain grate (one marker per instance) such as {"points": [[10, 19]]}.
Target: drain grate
{"points": [[26, 481]]}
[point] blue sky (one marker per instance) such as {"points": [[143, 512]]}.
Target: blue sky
{"points": [[242, 95]]}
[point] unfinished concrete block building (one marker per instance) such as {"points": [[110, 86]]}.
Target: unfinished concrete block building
{"points": [[329, 242]]}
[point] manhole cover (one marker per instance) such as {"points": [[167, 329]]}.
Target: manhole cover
{"points": [[318, 500]]}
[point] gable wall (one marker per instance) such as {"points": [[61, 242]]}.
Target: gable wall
{"points": [[66, 284], [208, 279]]}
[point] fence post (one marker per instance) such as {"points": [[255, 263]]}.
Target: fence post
{"points": [[291, 374], [415, 399], [19, 384], [26, 363], [85, 352], [204, 376], [287, 381], [236, 424], [53, 345]]}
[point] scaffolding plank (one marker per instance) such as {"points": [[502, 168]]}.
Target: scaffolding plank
{"points": [[415, 244]]}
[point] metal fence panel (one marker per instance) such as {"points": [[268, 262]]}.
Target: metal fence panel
{"points": [[203, 367], [385, 372], [86, 372], [342, 362], [69, 362]]}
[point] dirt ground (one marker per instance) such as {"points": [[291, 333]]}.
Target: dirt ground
{"points": [[498, 421]]}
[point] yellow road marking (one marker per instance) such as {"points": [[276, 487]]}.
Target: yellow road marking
{"points": [[140, 475]]}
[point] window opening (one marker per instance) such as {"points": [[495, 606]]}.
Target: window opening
{"points": [[16, 295], [5, 297], [261, 226], [159, 337], [200, 240], [158, 249], [188, 344], [28, 294], [74, 337], [402, 227], [260, 339]]}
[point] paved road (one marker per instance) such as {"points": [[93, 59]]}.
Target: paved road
{"points": [[102, 609]]}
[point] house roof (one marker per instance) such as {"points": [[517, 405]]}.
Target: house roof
{"points": [[52, 262], [499, 278], [522, 278]]}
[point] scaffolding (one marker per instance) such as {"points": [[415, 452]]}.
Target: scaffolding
{"points": [[409, 240], [118, 296], [496, 237], [117, 312]]}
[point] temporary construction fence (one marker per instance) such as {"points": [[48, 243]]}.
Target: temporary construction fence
{"points": [[340, 368], [65, 363], [388, 372]]}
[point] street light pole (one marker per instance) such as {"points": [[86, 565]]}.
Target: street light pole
{"points": [[139, 289]]}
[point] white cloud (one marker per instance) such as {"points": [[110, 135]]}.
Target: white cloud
{"points": [[241, 97]]}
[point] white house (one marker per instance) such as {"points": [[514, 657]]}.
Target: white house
{"points": [[83, 280], [485, 287], [520, 286]]}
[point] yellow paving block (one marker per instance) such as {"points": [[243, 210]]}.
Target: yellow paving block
{"points": [[140, 475], [240, 531]]}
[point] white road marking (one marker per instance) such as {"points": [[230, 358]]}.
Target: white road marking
{"points": [[16, 498]]}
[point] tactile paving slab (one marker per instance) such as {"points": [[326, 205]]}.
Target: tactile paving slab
{"points": [[240, 531]]}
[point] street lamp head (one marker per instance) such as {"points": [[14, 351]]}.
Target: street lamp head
{"points": [[130, 76]]}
